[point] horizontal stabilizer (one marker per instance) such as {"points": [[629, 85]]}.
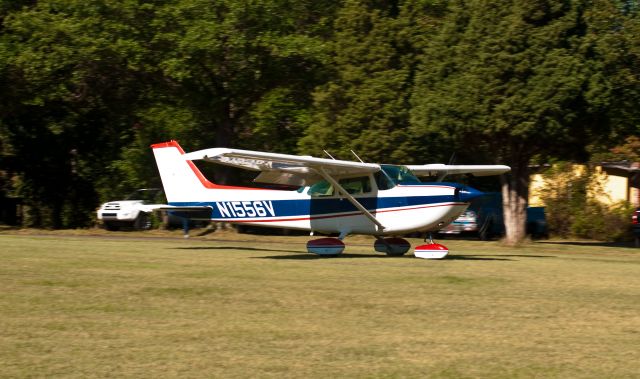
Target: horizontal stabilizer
{"points": [[191, 212], [183, 209]]}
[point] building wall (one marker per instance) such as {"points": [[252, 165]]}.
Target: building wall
{"points": [[606, 187], [536, 185], [634, 196]]}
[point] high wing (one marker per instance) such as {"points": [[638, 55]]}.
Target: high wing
{"points": [[442, 170], [283, 168]]}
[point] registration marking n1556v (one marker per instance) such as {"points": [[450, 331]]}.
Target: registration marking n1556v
{"points": [[260, 208]]}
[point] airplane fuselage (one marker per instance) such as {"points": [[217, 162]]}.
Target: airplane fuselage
{"points": [[402, 209], [391, 197]]}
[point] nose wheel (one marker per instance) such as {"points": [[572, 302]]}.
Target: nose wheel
{"points": [[431, 250]]}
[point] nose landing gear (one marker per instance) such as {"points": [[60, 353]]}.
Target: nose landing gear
{"points": [[431, 250]]}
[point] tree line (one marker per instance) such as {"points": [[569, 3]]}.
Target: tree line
{"points": [[87, 86]]}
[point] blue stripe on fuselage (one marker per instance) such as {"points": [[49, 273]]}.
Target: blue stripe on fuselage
{"points": [[309, 207]]}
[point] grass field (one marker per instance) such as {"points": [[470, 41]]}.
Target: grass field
{"points": [[224, 306]]}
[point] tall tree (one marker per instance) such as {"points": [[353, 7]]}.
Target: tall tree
{"points": [[70, 83], [614, 89], [365, 106], [511, 80], [87, 86], [244, 66]]}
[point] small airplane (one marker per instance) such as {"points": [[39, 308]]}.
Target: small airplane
{"points": [[333, 196]]}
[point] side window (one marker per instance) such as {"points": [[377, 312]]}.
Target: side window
{"points": [[356, 186], [322, 188]]}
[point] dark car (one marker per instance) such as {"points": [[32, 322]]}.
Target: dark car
{"points": [[484, 218], [467, 222], [635, 226]]}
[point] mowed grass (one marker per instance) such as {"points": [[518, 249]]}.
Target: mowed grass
{"points": [[255, 306]]}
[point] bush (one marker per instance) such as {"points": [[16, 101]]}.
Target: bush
{"points": [[601, 222], [564, 195], [573, 211]]}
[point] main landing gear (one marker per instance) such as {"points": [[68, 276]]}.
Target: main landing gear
{"points": [[392, 246], [326, 246]]}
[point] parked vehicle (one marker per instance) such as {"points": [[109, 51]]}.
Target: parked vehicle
{"points": [[467, 222], [635, 226], [133, 212], [484, 218]]}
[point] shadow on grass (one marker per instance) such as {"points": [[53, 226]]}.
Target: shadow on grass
{"points": [[477, 258], [382, 256], [520, 256], [298, 255], [244, 248], [629, 245], [307, 256], [501, 257]]}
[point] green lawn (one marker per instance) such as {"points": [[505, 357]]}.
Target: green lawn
{"points": [[79, 306]]}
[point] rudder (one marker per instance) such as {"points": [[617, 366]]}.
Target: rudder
{"points": [[181, 178]]}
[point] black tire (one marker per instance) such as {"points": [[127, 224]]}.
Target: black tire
{"points": [[142, 222], [110, 226], [485, 231]]}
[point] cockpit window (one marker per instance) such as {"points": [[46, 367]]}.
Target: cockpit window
{"points": [[383, 181], [400, 174], [356, 186], [322, 188], [353, 186]]}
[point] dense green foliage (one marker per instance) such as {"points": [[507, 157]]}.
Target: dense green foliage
{"points": [[88, 85], [520, 79]]}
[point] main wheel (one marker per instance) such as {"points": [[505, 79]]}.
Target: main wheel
{"points": [[110, 226], [393, 247], [484, 234], [142, 222], [329, 247]]}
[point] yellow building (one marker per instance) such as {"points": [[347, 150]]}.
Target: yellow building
{"points": [[609, 183]]}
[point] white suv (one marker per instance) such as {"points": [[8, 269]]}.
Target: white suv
{"points": [[131, 213]]}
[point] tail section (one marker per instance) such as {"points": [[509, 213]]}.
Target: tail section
{"points": [[181, 179]]}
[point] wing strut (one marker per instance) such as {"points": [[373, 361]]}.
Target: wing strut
{"points": [[352, 199]]}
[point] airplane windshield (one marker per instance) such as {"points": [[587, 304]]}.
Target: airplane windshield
{"points": [[400, 174]]}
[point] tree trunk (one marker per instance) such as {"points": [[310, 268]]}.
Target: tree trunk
{"points": [[515, 194]]}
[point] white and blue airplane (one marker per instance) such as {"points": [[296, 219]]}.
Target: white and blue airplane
{"points": [[334, 196]]}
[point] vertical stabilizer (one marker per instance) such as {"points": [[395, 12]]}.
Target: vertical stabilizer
{"points": [[181, 179]]}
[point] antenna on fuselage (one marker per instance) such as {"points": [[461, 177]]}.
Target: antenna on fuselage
{"points": [[356, 155], [330, 156]]}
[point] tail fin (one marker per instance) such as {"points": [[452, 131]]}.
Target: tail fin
{"points": [[181, 179]]}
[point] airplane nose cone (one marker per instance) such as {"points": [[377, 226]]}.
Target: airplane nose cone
{"points": [[466, 194]]}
